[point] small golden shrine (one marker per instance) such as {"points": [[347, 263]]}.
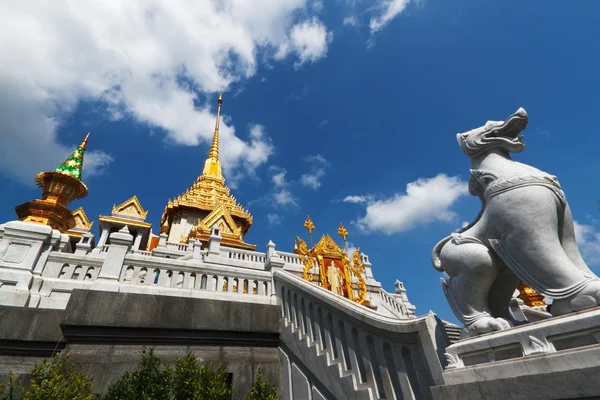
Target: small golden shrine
{"points": [[130, 213], [328, 265], [530, 297], [207, 203], [59, 188], [82, 224]]}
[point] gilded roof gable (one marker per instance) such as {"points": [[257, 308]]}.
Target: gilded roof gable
{"points": [[131, 207], [81, 220]]}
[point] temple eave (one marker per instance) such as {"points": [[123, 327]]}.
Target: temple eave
{"points": [[129, 222]]}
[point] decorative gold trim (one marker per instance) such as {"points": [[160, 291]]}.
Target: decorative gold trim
{"points": [[326, 248], [306, 258], [79, 213], [131, 201], [104, 218]]}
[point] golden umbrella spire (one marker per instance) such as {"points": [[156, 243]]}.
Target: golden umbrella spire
{"points": [[308, 224], [212, 165], [344, 234], [214, 148]]}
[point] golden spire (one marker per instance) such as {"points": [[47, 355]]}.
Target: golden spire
{"points": [[83, 144], [342, 232], [212, 165], [308, 224]]}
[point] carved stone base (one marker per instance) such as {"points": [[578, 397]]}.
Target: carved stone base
{"points": [[528, 361]]}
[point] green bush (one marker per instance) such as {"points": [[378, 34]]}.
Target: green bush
{"points": [[59, 379], [9, 389], [195, 382], [151, 381], [262, 390]]}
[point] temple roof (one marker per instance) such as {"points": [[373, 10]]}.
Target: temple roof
{"points": [[209, 193]]}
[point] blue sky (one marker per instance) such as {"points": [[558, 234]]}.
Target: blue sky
{"points": [[344, 110]]}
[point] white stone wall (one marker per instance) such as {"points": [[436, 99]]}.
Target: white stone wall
{"points": [[38, 270]]}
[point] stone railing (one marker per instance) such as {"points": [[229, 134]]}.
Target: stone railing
{"points": [[177, 274], [177, 246], [72, 267], [243, 255], [349, 344], [392, 304], [290, 258], [571, 331], [142, 252]]}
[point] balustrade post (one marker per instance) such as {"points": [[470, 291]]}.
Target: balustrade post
{"points": [[214, 245], [273, 262], [196, 249], [162, 240], [108, 279], [84, 245], [102, 241]]}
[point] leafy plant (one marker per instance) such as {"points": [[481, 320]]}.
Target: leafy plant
{"points": [[59, 379], [151, 381], [195, 382], [10, 388], [262, 390]]}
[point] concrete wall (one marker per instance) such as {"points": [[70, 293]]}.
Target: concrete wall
{"points": [[104, 331]]}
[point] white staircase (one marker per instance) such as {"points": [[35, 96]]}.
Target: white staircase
{"points": [[343, 350]]}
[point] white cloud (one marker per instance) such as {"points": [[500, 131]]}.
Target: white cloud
{"points": [[351, 20], [284, 197], [425, 201], [309, 40], [158, 62], [389, 9], [278, 177], [273, 220], [317, 171], [313, 179], [358, 199], [588, 240], [317, 6]]}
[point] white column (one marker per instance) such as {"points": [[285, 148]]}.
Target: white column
{"points": [[103, 237], [138, 240]]}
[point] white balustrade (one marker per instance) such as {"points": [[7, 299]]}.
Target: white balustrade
{"points": [[177, 246], [290, 258], [244, 255], [178, 278], [381, 354]]}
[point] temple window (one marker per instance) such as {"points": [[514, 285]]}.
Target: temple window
{"points": [[76, 272], [63, 271], [89, 274]]}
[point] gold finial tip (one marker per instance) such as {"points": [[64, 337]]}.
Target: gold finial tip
{"points": [[220, 97], [84, 143]]}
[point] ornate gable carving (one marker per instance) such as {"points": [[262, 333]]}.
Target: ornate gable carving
{"points": [[328, 247], [221, 215], [131, 207], [81, 220]]}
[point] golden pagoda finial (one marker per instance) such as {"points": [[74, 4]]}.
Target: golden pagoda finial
{"points": [[83, 144], [342, 232], [308, 224], [212, 166]]}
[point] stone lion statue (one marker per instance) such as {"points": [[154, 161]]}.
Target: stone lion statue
{"points": [[523, 232]]}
